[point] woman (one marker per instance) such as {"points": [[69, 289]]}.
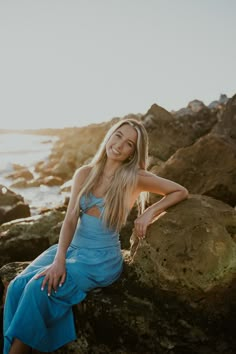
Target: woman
{"points": [[38, 308]]}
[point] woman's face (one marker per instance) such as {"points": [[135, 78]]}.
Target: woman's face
{"points": [[122, 143]]}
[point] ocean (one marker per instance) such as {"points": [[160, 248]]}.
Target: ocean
{"points": [[27, 150]]}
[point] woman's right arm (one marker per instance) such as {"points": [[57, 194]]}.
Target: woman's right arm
{"points": [[55, 274], [71, 217]]}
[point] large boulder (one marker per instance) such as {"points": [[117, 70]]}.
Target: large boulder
{"points": [[168, 132], [227, 123], [25, 239], [191, 251], [176, 293], [12, 205], [207, 167]]}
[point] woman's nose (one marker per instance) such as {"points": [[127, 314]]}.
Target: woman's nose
{"points": [[119, 145]]}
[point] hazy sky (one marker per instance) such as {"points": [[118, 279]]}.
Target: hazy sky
{"points": [[72, 62]]}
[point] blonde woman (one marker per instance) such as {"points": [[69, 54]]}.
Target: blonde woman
{"points": [[38, 308]]}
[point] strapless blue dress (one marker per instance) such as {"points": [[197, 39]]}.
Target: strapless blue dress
{"points": [[93, 259]]}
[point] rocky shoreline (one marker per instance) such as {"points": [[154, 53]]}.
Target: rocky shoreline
{"points": [[177, 292]]}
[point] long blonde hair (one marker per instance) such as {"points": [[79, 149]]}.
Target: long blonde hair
{"points": [[117, 197]]}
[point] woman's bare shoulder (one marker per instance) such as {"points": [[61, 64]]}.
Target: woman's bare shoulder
{"points": [[81, 173]]}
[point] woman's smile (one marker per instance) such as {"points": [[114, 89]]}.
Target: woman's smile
{"points": [[122, 143], [116, 152]]}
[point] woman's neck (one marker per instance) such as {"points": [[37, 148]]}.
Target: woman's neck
{"points": [[110, 168]]}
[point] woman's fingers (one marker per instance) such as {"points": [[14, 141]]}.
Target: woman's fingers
{"points": [[44, 282], [40, 274], [63, 278], [52, 282], [52, 285], [53, 277], [55, 284]]}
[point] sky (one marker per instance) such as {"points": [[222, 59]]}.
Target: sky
{"points": [[75, 62]]}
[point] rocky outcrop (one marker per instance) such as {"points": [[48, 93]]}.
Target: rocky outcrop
{"points": [[168, 132], [75, 147], [191, 251], [37, 182], [23, 178], [226, 125], [12, 205], [209, 165], [21, 173], [24, 240], [176, 294]]}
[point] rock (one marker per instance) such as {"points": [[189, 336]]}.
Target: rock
{"points": [[196, 106], [66, 187], [227, 123], [169, 132], [8, 197], [12, 205], [223, 100], [207, 167], [21, 173], [192, 108], [220, 103], [39, 166], [154, 161], [74, 148], [179, 279], [9, 272], [65, 166], [44, 167], [17, 167], [19, 183], [128, 318], [18, 211], [25, 239], [51, 181], [127, 230], [190, 252]]}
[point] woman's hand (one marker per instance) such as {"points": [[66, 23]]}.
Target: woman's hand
{"points": [[54, 276], [141, 224]]}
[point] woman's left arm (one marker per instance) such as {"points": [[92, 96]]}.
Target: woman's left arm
{"points": [[172, 193]]}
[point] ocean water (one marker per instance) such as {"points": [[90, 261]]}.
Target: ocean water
{"points": [[27, 150]]}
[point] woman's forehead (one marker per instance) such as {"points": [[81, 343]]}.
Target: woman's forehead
{"points": [[128, 131]]}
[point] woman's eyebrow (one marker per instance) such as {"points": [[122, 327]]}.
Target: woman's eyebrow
{"points": [[131, 141], [118, 131]]}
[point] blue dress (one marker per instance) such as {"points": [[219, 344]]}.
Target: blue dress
{"points": [[93, 259]]}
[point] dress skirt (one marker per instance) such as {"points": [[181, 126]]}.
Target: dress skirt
{"points": [[43, 322]]}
